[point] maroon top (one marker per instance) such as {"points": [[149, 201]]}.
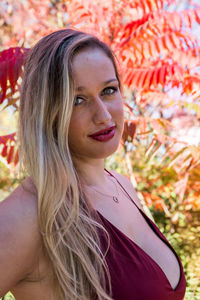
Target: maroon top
{"points": [[134, 274]]}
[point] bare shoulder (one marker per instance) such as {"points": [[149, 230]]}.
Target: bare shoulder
{"points": [[19, 235], [21, 205], [126, 183]]}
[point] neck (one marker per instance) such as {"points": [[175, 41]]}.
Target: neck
{"points": [[91, 173]]}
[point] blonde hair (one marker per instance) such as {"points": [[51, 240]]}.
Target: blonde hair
{"points": [[68, 224]]}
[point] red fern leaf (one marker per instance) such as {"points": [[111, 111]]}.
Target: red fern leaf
{"points": [[149, 4], [167, 42], [197, 15], [192, 13], [187, 18], [143, 6], [129, 130], [9, 146], [10, 154], [152, 48], [175, 40], [148, 79], [136, 77], [16, 158], [141, 79], [3, 80], [157, 5], [191, 84], [162, 75], [130, 28], [159, 45], [155, 79], [125, 132], [5, 138], [132, 129], [11, 61], [4, 151], [145, 50], [144, 78], [161, 4], [129, 78]]}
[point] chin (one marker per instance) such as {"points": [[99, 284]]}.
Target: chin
{"points": [[105, 151], [96, 150]]}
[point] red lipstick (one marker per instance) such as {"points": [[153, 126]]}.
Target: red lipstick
{"points": [[104, 135]]}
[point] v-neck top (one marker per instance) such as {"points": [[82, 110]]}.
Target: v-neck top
{"points": [[134, 274]]}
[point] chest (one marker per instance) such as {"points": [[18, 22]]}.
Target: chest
{"points": [[136, 274], [128, 220]]}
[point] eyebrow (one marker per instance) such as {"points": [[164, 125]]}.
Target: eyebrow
{"points": [[81, 88]]}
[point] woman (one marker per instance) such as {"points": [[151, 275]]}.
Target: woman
{"points": [[74, 230]]}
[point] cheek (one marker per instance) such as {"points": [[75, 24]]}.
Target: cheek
{"points": [[118, 113], [73, 129], [78, 125]]}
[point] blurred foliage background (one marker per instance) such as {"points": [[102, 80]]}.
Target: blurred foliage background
{"points": [[156, 43]]}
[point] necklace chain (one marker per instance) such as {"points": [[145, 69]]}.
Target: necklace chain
{"points": [[115, 198]]}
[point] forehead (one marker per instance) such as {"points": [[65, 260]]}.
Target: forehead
{"points": [[90, 66]]}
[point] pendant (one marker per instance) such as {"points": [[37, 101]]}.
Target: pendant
{"points": [[115, 199]]}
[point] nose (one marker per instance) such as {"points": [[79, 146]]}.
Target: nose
{"points": [[101, 112]]}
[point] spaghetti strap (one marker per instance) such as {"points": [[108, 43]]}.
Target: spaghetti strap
{"points": [[124, 190], [140, 266]]}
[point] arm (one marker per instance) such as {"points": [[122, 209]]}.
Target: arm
{"points": [[19, 237]]}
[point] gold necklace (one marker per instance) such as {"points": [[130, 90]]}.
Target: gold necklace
{"points": [[115, 198]]}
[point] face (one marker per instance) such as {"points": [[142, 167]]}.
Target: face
{"points": [[96, 123]]}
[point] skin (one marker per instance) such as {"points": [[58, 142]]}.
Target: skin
{"points": [[26, 268], [98, 106]]}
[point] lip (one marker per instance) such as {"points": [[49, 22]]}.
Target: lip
{"points": [[102, 131], [104, 134]]}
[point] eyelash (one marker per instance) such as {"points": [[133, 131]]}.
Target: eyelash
{"points": [[115, 89], [77, 97]]}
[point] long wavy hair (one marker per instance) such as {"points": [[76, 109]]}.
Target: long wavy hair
{"points": [[70, 232]]}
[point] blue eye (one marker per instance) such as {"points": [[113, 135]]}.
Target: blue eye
{"points": [[78, 101], [110, 90]]}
